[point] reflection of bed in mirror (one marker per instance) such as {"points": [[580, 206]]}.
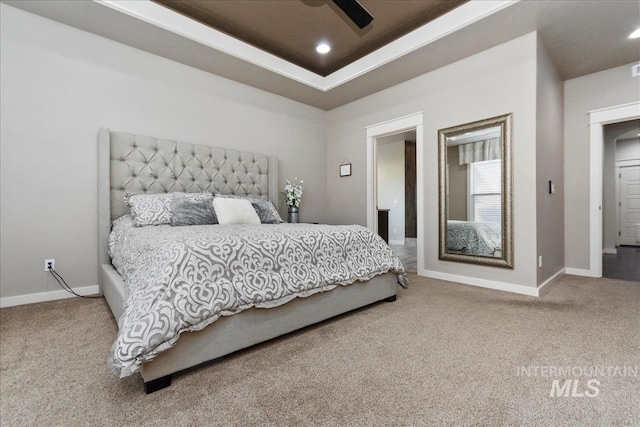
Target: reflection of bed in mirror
{"points": [[477, 238]]}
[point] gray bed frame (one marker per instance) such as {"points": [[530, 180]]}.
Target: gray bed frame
{"points": [[130, 163]]}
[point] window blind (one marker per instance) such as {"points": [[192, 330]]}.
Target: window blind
{"points": [[485, 194]]}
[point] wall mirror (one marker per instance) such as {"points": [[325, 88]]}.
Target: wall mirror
{"points": [[475, 192]]}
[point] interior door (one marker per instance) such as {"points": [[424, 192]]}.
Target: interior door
{"points": [[630, 206], [410, 195]]}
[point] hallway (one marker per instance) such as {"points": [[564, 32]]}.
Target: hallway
{"points": [[407, 254], [625, 265]]}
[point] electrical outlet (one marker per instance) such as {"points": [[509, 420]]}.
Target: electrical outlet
{"points": [[49, 264]]}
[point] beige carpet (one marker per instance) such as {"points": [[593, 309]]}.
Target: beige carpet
{"points": [[442, 354]]}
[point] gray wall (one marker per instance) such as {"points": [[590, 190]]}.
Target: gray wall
{"points": [[581, 95], [549, 167], [458, 182], [498, 81], [628, 148], [59, 85], [609, 211]]}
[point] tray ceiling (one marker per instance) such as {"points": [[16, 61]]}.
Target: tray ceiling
{"points": [[581, 37], [291, 29]]}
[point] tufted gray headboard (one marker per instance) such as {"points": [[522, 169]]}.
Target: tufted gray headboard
{"points": [[130, 163]]}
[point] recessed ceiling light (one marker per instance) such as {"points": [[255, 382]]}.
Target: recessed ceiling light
{"points": [[323, 48], [635, 34]]}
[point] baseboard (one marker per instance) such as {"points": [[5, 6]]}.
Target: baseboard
{"points": [[396, 242], [483, 283], [579, 272], [547, 285], [612, 251], [47, 296]]}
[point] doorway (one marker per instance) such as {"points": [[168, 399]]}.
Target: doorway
{"points": [[375, 135], [621, 201], [597, 120], [396, 194]]}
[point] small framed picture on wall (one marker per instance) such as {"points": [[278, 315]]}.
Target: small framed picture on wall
{"points": [[345, 169]]}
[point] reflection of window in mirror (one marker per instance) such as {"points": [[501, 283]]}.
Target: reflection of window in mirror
{"points": [[485, 182]]}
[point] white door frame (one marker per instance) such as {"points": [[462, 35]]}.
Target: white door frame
{"points": [[597, 120], [389, 127]]}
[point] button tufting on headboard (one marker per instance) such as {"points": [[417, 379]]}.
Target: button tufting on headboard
{"points": [[153, 165]]}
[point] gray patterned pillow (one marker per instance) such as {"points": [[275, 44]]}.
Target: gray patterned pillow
{"points": [[192, 209], [150, 209], [267, 213]]}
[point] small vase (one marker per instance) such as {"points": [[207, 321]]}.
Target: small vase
{"points": [[293, 214]]}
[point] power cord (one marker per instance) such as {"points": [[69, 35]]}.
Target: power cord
{"points": [[63, 284]]}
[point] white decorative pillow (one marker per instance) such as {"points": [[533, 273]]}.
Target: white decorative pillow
{"points": [[150, 209], [235, 211], [267, 213]]}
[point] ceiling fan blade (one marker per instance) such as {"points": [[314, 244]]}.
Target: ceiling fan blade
{"points": [[354, 10]]}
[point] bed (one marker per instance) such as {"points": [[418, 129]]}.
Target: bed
{"points": [[135, 164], [475, 238]]}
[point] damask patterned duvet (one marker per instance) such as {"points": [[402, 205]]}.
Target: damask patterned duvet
{"points": [[477, 238], [181, 279]]}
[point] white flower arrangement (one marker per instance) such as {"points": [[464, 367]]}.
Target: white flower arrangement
{"points": [[292, 193]]}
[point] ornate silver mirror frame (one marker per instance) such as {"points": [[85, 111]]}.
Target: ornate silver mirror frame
{"points": [[502, 256]]}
